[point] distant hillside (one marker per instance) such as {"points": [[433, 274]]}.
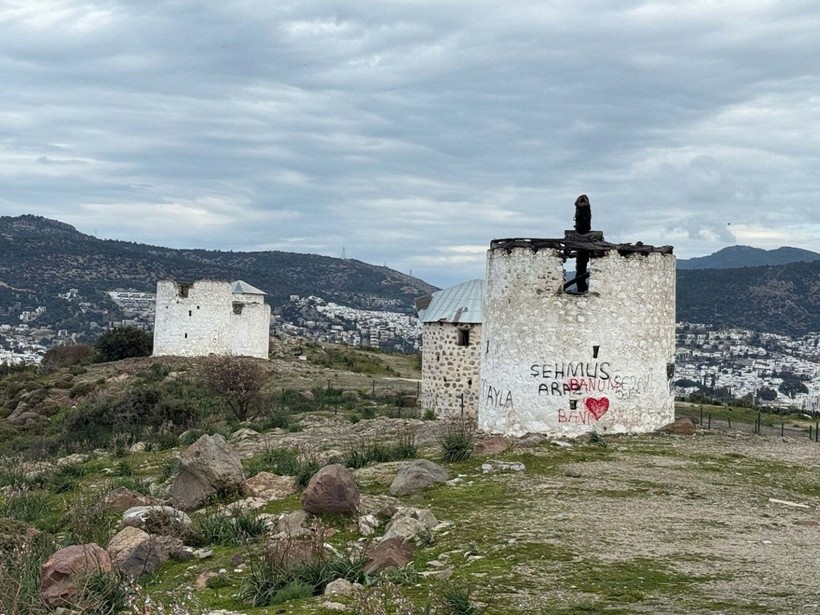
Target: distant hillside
{"points": [[783, 299], [40, 258], [747, 256]]}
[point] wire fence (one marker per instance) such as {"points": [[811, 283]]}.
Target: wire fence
{"points": [[763, 424]]}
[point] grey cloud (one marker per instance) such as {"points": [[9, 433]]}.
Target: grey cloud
{"points": [[402, 130]]}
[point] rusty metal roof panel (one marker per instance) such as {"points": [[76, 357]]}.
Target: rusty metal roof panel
{"points": [[457, 304]]}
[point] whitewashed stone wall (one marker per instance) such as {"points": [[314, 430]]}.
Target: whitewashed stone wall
{"points": [[564, 364], [449, 370], [205, 321]]}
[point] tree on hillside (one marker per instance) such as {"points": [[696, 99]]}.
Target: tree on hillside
{"points": [[792, 387], [237, 381], [766, 394], [123, 343]]}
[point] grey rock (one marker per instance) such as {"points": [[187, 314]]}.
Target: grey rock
{"points": [[136, 552], [339, 587], [293, 524], [406, 528], [137, 516], [416, 476], [492, 466], [208, 466]]}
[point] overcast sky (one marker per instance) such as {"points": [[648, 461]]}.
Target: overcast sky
{"points": [[412, 133]]}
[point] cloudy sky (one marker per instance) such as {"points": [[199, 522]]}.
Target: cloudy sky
{"points": [[412, 133]]}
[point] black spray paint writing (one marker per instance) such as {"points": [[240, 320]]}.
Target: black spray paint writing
{"points": [[579, 369]]}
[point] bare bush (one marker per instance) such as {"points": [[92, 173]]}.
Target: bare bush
{"points": [[237, 381]]}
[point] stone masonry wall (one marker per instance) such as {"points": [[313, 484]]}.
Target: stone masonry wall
{"points": [[564, 364], [449, 370]]}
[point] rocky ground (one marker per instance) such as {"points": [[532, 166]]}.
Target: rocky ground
{"points": [[713, 522]]}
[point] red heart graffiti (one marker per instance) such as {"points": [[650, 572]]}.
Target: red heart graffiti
{"points": [[597, 407]]}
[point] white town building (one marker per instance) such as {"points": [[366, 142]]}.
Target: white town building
{"points": [[210, 317]]}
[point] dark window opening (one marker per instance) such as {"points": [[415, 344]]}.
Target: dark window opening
{"points": [[463, 337], [186, 336], [237, 307], [183, 290], [197, 307], [190, 312], [576, 273], [573, 404]]}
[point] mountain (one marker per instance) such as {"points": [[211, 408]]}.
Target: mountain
{"points": [[40, 258], [747, 256], [782, 299]]}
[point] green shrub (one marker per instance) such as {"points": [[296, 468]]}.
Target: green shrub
{"points": [[20, 574], [190, 436], [361, 455], [81, 389], [457, 601], [457, 442], [123, 468], [292, 591], [88, 519], [154, 413], [169, 469], [368, 412], [228, 529], [156, 372], [103, 593], [26, 506], [123, 343], [276, 579]]}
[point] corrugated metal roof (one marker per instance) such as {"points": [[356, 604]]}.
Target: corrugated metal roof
{"points": [[457, 304], [243, 288]]}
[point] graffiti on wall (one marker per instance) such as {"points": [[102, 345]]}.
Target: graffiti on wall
{"points": [[496, 398], [564, 379]]}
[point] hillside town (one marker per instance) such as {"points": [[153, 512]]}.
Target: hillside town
{"points": [[763, 368]]}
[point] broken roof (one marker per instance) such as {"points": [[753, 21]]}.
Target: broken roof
{"points": [[457, 304], [593, 241], [243, 288]]}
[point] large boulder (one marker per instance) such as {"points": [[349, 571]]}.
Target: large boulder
{"points": [[491, 445], [62, 575], [332, 490], [682, 427], [136, 552], [417, 475], [206, 467], [391, 553]]}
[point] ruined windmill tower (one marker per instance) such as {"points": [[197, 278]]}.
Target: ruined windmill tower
{"points": [[451, 349], [562, 362]]}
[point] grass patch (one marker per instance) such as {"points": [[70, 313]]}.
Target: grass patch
{"points": [[630, 581]]}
